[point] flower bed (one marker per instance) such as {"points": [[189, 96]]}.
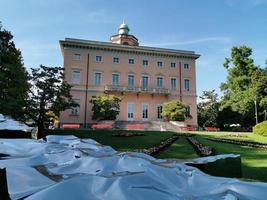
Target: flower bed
{"points": [[135, 126], [240, 142], [125, 134], [102, 126], [156, 149], [187, 128], [211, 129], [71, 126], [201, 149]]}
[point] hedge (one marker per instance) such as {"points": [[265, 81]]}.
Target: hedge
{"points": [[261, 128]]}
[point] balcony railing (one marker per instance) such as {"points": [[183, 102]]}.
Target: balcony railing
{"points": [[118, 88]]}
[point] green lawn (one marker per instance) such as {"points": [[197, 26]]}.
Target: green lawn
{"points": [[104, 137], [181, 149], [254, 161]]}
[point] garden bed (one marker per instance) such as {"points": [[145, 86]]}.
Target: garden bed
{"points": [[240, 142], [127, 134], [200, 148], [158, 148]]}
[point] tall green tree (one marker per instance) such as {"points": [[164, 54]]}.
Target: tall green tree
{"points": [[105, 107], [13, 77], [175, 110], [208, 109], [48, 93], [238, 93]]}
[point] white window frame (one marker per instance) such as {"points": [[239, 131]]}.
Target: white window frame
{"points": [[185, 86], [100, 82], [73, 76], [117, 59], [175, 83], [145, 60], [99, 56], [117, 74], [146, 118], [188, 66], [131, 59], [75, 111], [76, 56], [162, 78], [127, 111], [131, 86], [147, 82], [157, 106], [173, 67], [160, 65]]}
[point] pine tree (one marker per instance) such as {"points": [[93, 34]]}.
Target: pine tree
{"points": [[13, 77]]}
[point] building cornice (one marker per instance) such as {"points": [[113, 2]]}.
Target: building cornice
{"points": [[107, 46]]}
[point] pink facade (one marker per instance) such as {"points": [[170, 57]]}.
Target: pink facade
{"points": [[145, 77]]}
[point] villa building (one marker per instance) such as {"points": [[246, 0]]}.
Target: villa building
{"points": [[146, 77]]}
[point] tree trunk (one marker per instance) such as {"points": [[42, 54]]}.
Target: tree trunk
{"points": [[40, 133], [3, 185]]}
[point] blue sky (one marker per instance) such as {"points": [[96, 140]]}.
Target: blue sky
{"points": [[208, 27]]}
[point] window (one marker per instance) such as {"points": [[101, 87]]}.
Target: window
{"points": [[77, 56], [131, 81], [173, 84], [144, 82], [188, 110], [131, 61], [144, 111], [186, 84], [160, 64], [186, 66], [97, 78], [145, 62], [115, 79], [159, 82], [76, 110], [159, 111], [76, 76], [98, 58], [173, 65], [116, 60]]}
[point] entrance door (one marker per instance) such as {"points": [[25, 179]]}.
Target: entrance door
{"points": [[130, 111], [144, 111]]}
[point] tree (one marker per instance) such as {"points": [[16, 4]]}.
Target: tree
{"points": [[49, 93], [13, 77], [105, 107], [238, 93], [259, 90], [175, 110], [208, 109]]}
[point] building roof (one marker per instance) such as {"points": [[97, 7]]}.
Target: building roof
{"points": [[97, 45]]}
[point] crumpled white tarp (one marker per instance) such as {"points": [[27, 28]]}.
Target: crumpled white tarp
{"points": [[86, 169], [7, 123]]}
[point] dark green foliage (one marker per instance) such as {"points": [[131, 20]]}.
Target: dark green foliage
{"points": [[175, 110], [245, 83], [13, 77], [49, 93], [261, 128], [105, 107], [208, 109]]}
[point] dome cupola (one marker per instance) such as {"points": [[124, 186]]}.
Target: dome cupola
{"points": [[124, 29]]}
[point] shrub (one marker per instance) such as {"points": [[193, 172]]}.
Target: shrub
{"points": [[261, 128], [175, 111]]}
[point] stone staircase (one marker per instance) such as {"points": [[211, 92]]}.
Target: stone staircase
{"points": [[148, 125]]}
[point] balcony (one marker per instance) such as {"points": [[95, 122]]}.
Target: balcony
{"points": [[138, 90]]}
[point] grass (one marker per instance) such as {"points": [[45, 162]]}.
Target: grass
{"points": [[105, 137], [254, 160], [181, 149]]}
